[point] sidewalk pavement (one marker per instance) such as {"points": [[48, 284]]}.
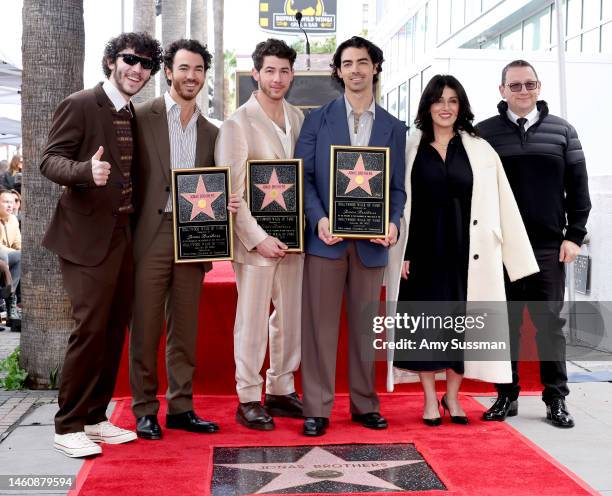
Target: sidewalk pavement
{"points": [[26, 445]]}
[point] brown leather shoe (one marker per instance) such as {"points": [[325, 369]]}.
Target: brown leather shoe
{"points": [[285, 405], [254, 416]]}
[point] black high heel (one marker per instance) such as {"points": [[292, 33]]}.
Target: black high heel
{"points": [[433, 422], [455, 419]]}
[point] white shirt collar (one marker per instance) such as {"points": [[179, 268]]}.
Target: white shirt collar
{"points": [[349, 109], [171, 103], [115, 96], [532, 117]]}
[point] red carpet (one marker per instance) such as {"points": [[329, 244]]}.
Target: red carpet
{"points": [[215, 359], [481, 458]]}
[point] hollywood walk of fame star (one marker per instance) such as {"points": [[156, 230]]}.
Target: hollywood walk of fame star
{"points": [[202, 200], [359, 177], [319, 465], [274, 190]]}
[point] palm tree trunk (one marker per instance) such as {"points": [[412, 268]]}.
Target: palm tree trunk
{"points": [[174, 23], [199, 31], [144, 21], [218, 60], [53, 52]]}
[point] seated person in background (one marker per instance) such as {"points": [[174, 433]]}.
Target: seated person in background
{"points": [[6, 282], [10, 253], [11, 179]]}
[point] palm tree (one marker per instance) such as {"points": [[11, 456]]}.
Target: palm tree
{"points": [[144, 21], [218, 98], [53, 52], [174, 21], [199, 31]]}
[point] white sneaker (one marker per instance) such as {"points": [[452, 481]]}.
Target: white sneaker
{"points": [[76, 445], [105, 432]]}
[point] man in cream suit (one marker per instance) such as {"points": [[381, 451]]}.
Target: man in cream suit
{"points": [[172, 133], [265, 127]]}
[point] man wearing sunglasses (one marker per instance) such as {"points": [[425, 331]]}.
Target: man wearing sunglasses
{"points": [[545, 165], [89, 153]]}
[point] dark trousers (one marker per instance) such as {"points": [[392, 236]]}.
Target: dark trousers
{"points": [[101, 299], [543, 294], [325, 282]]}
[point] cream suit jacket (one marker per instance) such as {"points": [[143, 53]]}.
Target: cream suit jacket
{"points": [[250, 135]]}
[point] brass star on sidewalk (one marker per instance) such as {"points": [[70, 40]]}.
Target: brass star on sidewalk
{"points": [[319, 465]]}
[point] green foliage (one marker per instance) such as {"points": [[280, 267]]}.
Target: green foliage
{"points": [[13, 376], [53, 378], [328, 45]]}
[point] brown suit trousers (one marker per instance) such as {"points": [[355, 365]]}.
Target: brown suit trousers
{"points": [[101, 298], [325, 281]]}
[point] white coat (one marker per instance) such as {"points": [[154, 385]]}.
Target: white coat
{"points": [[498, 238]]}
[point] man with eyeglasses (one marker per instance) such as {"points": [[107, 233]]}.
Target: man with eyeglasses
{"points": [[545, 165], [89, 153]]}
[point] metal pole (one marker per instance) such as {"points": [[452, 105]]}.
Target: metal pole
{"points": [[123, 16], [571, 286]]}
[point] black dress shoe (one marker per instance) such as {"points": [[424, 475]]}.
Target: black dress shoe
{"points": [[254, 416], [455, 419], [502, 408], [286, 405], [372, 420], [190, 422], [557, 413], [315, 426], [147, 427]]}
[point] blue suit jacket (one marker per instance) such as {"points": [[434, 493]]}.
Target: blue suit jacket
{"points": [[328, 126]]}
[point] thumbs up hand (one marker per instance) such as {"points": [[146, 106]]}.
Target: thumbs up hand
{"points": [[100, 169]]}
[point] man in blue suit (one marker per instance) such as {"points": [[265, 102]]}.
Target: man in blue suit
{"points": [[333, 264]]}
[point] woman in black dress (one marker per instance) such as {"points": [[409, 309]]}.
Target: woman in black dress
{"points": [[435, 267]]}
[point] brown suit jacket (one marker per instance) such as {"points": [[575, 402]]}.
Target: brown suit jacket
{"points": [[82, 225], [153, 186]]}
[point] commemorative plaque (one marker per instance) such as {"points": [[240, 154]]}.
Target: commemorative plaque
{"points": [[359, 192], [275, 199], [202, 224]]}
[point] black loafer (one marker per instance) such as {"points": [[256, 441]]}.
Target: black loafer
{"points": [[286, 405], [254, 416], [148, 427], [315, 426], [372, 420], [502, 408], [558, 415], [190, 422]]}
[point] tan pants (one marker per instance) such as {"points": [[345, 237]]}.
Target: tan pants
{"points": [[164, 291], [325, 281], [257, 286]]}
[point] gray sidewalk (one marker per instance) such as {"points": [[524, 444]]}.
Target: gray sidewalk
{"points": [[26, 444]]}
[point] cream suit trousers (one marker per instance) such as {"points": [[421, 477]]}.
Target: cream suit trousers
{"points": [[254, 326]]}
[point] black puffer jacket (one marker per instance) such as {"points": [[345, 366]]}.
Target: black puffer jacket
{"points": [[547, 172]]}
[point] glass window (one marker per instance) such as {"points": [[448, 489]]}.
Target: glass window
{"points": [[606, 38], [426, 75], [383, 102], [402, 112], [472, 9], [457, 15], [573, 45], [402, 48], [487, 4], [409, 40], [392, 102], [421, 27], [512, 39], [444, 19], [574, 17], [590, 41], [606, 10], [536, 31], [415, 96], [591, 13], [492, 44]]}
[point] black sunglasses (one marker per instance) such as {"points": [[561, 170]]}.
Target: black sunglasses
{"points": [[131, 59], [516, 87]]}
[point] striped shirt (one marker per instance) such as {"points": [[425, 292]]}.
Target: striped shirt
{"points": [[182, 141], [360, 129]]}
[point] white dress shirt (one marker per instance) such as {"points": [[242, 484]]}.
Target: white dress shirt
{"points": [[285, 136], [532, 117], [360, 132], [115, 96]]}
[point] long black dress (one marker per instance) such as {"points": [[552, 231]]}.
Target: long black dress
{"points": [[438, 241]]}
